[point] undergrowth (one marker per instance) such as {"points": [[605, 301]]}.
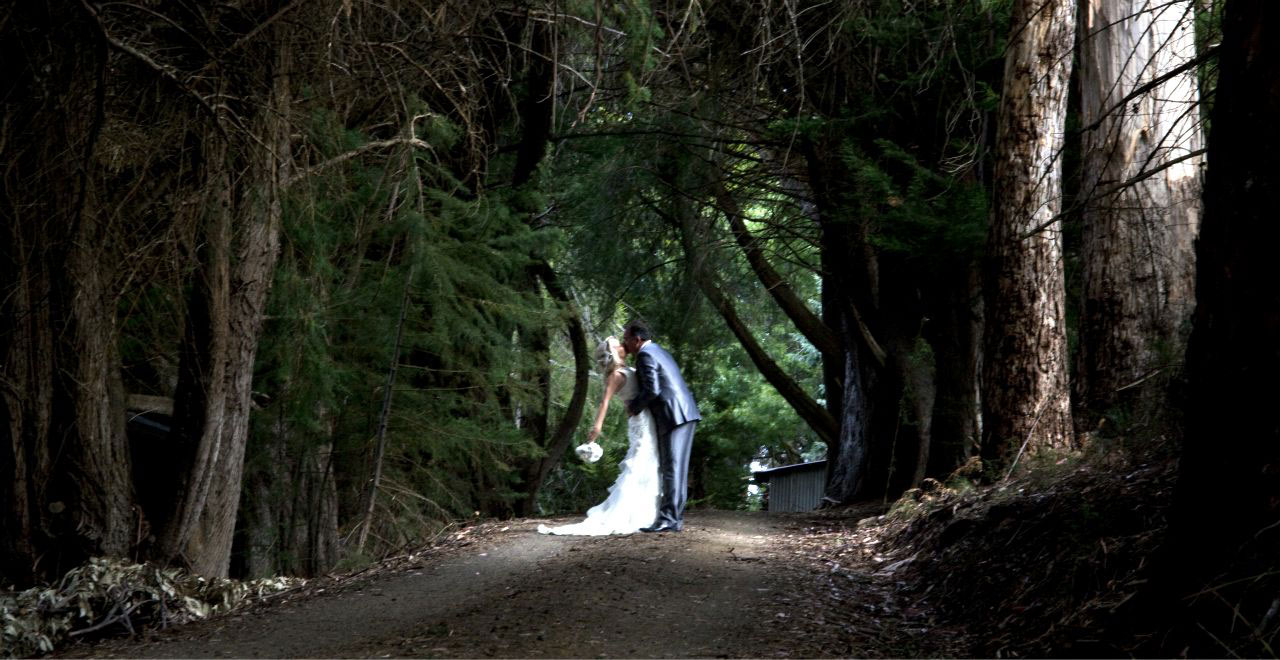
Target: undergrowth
{"points": [[106, 596], [1036, 565], [1061, 561]]}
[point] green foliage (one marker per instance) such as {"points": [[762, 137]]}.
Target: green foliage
{"points": [[357, 233], [746, 420], [638, 21], [1208, 29], [921, 213], [628, 261], [358, 242]]}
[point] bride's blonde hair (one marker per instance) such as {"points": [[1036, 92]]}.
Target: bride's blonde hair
{"points": [[607, 355]]}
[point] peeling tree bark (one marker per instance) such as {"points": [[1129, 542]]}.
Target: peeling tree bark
{"points": [[258, 247], [1138, 240], [1025, 396]]}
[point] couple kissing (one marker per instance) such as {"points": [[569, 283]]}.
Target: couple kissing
{"points": [[650, 491]]}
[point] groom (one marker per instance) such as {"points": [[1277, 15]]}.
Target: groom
{"points": [[662, 391]]}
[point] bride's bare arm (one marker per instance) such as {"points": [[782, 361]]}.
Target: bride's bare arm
{"points": [[611, 384]]}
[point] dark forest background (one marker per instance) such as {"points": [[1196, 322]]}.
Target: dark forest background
{"points": [[287, 286]]}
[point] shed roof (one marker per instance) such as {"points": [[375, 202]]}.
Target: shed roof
{"points": [[765, 475]]}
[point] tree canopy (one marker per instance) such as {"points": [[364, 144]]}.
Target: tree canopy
{"points": [[292, 284]]}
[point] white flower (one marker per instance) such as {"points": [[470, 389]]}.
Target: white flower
{"points": [[590, 452]]}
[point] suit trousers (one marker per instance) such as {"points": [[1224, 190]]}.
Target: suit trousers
{"points": [[673, 466]]}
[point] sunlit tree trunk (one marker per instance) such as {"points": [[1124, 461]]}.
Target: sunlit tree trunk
{"points": [[1141, 185], [1026, 402]]}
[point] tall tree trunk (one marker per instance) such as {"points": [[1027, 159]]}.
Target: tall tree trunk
{"points": [[91, 473], [1225, 517], [199, 401], [257, 248], [228, 303], [1141, 182], [1025, 397], [870, 384], [67, 491], [857, 463], [954, 331], [910, 358]]}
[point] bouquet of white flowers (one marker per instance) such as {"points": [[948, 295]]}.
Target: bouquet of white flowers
{"points": [[590, 452]]}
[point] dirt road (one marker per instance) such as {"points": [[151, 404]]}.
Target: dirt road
{"points": [[733, 584]]}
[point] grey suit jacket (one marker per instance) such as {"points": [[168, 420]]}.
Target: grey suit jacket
{"points": [[662, 389]]}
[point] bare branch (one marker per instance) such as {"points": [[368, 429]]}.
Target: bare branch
{"points": [[164, 71], [417, 143]]}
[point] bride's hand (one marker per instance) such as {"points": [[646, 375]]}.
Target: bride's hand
{"points": [[595, 433]]}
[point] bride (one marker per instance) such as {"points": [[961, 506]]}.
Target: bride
{"points": [[633, 498]]}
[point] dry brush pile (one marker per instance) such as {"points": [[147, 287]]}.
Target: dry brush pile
{"points": [[105, 596]]}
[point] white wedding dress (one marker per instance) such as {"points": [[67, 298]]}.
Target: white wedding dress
{"points": [[633, 498]]}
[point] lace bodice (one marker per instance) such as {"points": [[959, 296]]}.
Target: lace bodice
{"points": [[629, 388]]}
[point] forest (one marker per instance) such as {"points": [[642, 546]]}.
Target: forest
{"points": [[288, 287]]}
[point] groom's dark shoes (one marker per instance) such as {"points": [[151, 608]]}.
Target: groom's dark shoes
{"points": [[662, 527]]}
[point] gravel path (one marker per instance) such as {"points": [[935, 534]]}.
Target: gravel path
{"points": [[733, 584]]}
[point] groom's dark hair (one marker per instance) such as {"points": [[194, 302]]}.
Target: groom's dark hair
{"points": [[639, 329]]}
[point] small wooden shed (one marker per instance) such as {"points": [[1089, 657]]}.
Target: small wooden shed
{"points": [[797, 487]]}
